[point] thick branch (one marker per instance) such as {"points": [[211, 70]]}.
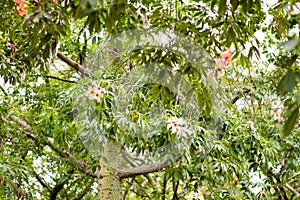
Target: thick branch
{"points": [[83, 167], [126, 173], [77, 163], [74, 64], [136, 171], [58, 187]]}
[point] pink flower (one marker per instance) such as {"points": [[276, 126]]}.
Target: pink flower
{"points": [[224, 60], [21, 7], [13, 48], [145, 21], [96, 93], [226, 57], [23, 75]]}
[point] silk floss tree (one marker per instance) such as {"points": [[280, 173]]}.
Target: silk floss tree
{"points": [[146, 95]]}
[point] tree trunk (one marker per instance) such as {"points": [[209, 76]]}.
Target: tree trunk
{"points": [[109, 187]]}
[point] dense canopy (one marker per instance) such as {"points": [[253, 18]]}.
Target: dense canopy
{"points": [[151, 99]]}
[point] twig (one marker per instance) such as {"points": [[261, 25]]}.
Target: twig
{"points": [[164, 187], [175, 189]]}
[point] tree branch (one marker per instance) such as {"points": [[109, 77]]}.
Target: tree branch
{"points": [[294, 176], [140, 191], [41, 181], [236, 98], [59, 186], [3, 90], [164, 187], [74, 64], [136, 171], [83, 167], [175, 189], [56, 78], [290, 188]]}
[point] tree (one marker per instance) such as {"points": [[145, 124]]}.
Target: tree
{"points": [[45, 47]]}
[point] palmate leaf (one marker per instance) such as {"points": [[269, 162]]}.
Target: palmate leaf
{"points": [[290, 122]]}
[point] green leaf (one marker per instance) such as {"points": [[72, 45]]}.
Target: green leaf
{"points": [[231, 35], [291, 61], [222, 8], [234, 4], [290, 122], [287, 83], [213, 3]]}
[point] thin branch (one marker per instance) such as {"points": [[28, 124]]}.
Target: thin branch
{"points": [[3, 90], [136, 171], [18, 191], [141, 191], [25, 126], [294, 176], [175, 189], [74, 64], [41, 181], [77, 163], [290, 188], [66, 193], [56, 78], [83, 167], [236, 98], [139, 194]]}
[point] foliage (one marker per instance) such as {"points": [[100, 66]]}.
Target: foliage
{"points": [[43, 155]]}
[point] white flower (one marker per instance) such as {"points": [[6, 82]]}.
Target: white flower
{"points": [[182, 131], [176, 126]]}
